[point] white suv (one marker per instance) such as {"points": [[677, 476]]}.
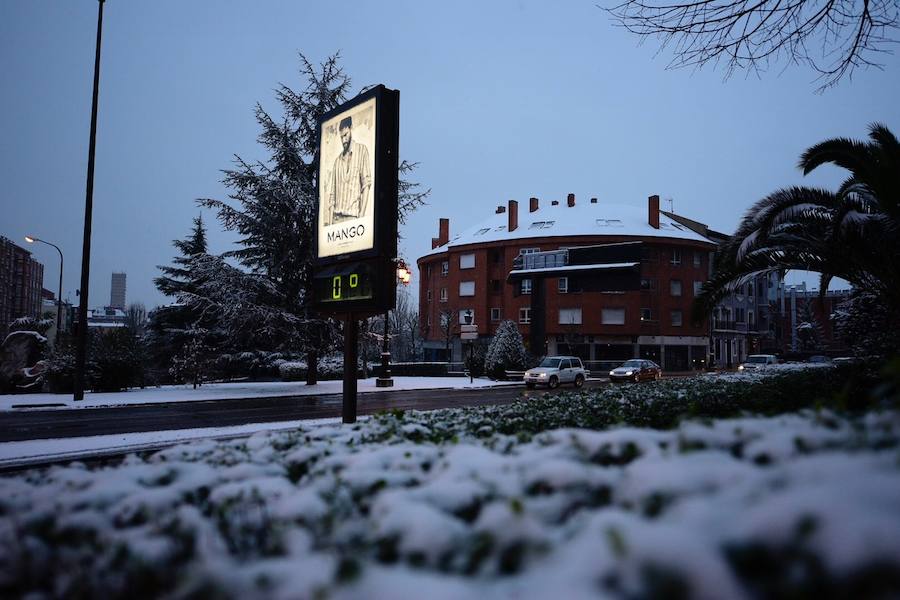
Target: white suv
{"points": [[555, 370], [758, 361]]}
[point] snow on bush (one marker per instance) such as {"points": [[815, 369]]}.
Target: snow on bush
{"points": [[499, 502]]}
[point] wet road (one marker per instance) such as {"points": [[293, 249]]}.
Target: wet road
{"points": [[42, 424]]}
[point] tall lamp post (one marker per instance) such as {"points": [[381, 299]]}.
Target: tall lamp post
{"points": [[31, 239], [403, 276]]}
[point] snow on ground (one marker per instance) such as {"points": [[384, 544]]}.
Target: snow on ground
{"points": [[430, 505], [229, 391]]}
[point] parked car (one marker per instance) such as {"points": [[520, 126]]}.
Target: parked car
{"points": [[636, 369], [758, 361], [555, 370], [819, 359]]}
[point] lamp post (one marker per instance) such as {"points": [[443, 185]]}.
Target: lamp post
{"points": [[31, 239], [468, 317], [404, 277]]}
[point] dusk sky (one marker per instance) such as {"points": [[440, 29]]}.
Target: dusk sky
{"points": [[499, 100]]}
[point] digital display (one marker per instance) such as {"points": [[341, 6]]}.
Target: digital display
{"points": [[345, 284]]}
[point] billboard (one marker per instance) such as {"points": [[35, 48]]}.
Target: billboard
{"points": [[346, 222]]}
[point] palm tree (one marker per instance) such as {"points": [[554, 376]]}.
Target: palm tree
{"points": [[853, 233]]}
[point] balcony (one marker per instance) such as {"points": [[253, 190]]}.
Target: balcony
{"points": [[541, 260]]}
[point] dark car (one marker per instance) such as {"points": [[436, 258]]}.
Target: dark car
{"points": [[636, 369]]}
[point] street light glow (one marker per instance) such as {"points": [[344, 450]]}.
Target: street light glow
{"points": [[29, 239]]}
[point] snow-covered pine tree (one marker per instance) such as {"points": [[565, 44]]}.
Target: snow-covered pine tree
{"points": [[506, 352], [809, 330], [178, 277], [273, 207]]}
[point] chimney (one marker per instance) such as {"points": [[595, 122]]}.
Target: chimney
{"points": [[593, 201], [554, 203], [653, 211], [513, 215], [500, 210], [570, 200], [443, 234], [532, 204]]}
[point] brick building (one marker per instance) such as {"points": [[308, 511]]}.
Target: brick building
{"points": [[471, 272], [21, 282]]}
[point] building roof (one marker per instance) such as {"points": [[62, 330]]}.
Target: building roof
{"points": [[601, 218]]}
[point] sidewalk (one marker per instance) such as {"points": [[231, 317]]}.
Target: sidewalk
{"points": [[232, 391]]}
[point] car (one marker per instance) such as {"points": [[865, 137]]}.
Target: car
{"points": [[758, 361], [819, 359], [556, 370], [636, 369]]}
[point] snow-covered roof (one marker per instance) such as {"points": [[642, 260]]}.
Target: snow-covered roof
{"points": [[585, 218]]}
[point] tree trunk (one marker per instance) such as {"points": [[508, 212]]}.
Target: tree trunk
{"points": [[312, 367]]}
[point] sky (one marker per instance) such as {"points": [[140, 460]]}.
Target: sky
{"points": [[498, 100]]}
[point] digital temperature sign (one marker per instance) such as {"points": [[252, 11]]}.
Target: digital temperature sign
{"points": [[345, 283]]}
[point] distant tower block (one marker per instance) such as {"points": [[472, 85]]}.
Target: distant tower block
{"points": [[117, 291]]}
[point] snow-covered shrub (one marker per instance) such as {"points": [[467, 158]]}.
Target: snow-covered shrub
{"points": [[506, 352], [114, 361], [292, 370]]}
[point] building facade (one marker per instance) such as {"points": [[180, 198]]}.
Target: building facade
{"points": [[472, 272], [21, 282], [117, 291]]}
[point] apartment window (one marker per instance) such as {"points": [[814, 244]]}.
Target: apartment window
{"points": [[466, 288], [563, 285], [675, 287], [648, 284], [676, 257], [443, 294], [525, 315], [525, 286], [529, 250], [496, 286], [570, 316], [612, 316], [466, 261], [698, 259], [646, 314], [750, 318], [739, 315], [428, 295], [676, 318], [496, 256], [698, 287], [496, 315], [427, 271], [445, 267]]}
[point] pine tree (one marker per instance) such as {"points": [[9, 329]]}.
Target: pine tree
{"points": [[506, 352], [809, 330], [178, 278], [272, 208]]}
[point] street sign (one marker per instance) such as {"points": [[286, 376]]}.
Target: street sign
{"points": [[468, 328], [469, 335]]}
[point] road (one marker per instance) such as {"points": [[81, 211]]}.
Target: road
{"points": [[44, 424]]}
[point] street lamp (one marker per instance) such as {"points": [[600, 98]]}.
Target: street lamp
{"points": [[31, 239], [403, 276], [468, 318]]}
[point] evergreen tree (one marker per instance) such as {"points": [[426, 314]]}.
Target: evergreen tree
{"points": [[272, 208], [178, 278], [506, 352], [809, 330]]}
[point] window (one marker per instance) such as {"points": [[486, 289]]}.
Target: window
{"points": [[496, 314], [443, 294], [525, 315], [648, 284], [462, 315], [445, 267], [750, 318], [482, 231], [563, 285], [525, 286], [676, 318], [466, 288], [428, 295], [541, 225], [609, 223], [698, 259], [612, 316], [428, 321], [698, 287], [676, 257], [646, 314], [529, 250], [466, 261], [570, 316], [496, 286], [427, 271], [496, 256], [675, 287], [739, 315]]}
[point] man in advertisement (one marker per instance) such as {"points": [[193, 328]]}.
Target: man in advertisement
{"points": [[350, 180]]}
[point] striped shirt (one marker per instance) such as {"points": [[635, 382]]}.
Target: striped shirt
{"points": [[349, 184]]}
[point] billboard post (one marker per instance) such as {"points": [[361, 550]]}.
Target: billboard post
{"points": [[356, 218]]}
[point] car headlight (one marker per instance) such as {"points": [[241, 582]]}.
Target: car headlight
{"points": [[612, 373], [629, 372], [542, 375], [740, 367]]}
